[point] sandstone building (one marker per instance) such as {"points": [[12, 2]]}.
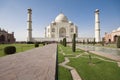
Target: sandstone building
{"points": [[112, 36], [6, 37]]}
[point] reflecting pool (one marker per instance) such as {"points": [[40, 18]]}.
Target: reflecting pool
{"points": [[112, 51]]}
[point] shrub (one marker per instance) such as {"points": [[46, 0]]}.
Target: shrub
{"points": [[83, 41], [102, 42], [64, 42], [88, 41], [43, 43], [74, 43], [10, 50], [118, 42], [36, 44], [61, 42], [94, 42], [30, 42]]}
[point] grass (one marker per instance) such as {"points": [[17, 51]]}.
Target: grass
{"points": [[64, 74], [68, 50], [60, 56], [97, 70], [100, 70], [99, 45], [19, 47]]}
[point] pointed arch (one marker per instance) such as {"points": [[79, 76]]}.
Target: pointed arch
{"points": [[62, 32], [2, 38], [115, 38]]}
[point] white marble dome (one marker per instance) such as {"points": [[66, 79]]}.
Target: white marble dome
{"points": [[61, 18]]}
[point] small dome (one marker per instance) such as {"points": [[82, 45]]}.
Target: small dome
{"points": [[70, 21], [118, 29], [61, 18], [97, 10], [113, 30], [53, 22]]}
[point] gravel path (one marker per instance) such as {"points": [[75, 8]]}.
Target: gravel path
{"points": [[35, 64]]}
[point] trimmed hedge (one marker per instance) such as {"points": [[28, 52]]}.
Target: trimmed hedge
{"points": [[43, 43], [10, 50], [30, 42], [36, 45], [64, 42]]}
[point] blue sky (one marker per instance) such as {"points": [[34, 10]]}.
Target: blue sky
{"points": [[13, 15]]}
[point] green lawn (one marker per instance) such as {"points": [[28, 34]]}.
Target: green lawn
{"points": [[63, 73], [68, 50], [19, 47], [60, 56], [97, 70]]}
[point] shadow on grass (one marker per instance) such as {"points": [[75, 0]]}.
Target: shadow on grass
{"points": [[98, 62]]}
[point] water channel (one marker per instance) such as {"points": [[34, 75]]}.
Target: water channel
{"points": [[112, 51]]}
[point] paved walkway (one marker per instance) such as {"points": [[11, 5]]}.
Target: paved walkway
{"points": [[116, 58], [35, 64]]}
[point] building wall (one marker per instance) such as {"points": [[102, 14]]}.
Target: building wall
{"points": [[6, 37], [112, 37]]}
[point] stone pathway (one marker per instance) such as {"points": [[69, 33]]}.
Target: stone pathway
{"points": [[64, 64], [118, 64], [73, 71], [35, 64]]}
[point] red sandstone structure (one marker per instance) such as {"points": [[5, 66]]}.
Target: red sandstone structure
{"points": [[112, 37], [6, 37]]}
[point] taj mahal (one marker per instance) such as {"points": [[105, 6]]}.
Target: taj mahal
{"points": [[61, 28]]}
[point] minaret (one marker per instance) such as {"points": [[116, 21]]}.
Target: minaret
{"points": [[97, 26], [45, 32], [29, 25]]}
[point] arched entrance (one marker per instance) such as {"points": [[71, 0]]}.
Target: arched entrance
{"points": [[62, 32], [109, 40], [115, 38], [2, 38]]}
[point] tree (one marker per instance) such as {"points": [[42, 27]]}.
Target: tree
{"points": [[103, 41], [94, 42], [118, 42], [64, 42], [83, 41], [61, 42], [90, 57], [87, 41], [74, 43]]}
